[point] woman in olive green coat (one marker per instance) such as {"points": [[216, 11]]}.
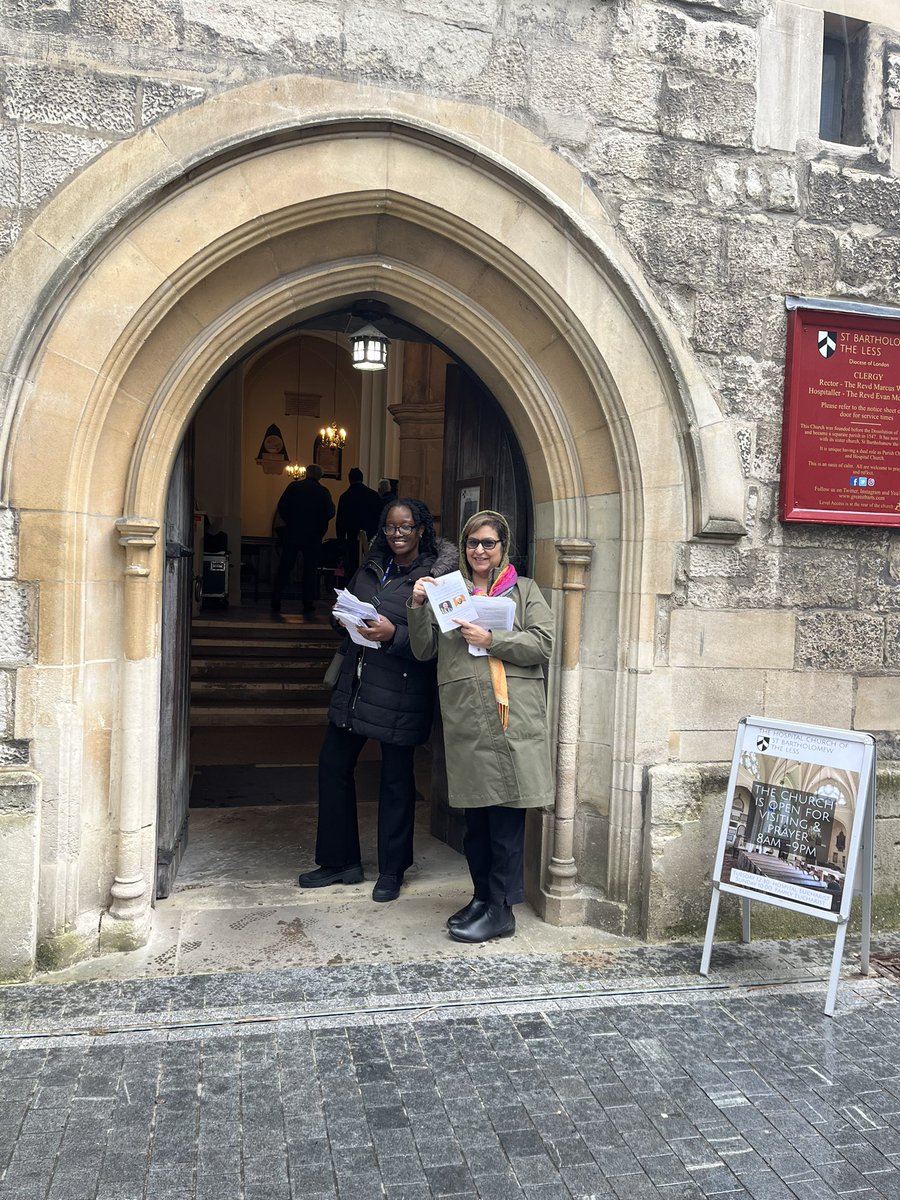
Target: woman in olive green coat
{"points": [[494, 714]]}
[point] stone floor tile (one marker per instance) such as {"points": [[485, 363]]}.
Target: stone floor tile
{"points": [[499, 1185]]}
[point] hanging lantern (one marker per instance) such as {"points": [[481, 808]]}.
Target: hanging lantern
{"points": [[370, 348]]}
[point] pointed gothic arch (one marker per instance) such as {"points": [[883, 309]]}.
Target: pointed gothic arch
{"points": [[276, 200]]}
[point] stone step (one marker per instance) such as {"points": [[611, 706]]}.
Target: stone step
{"points": [[271, 630], [257, 691], [276, 670], [210, 714], [257, 648]]}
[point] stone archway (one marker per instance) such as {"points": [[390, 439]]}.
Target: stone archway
{"points": [[482, 237]]}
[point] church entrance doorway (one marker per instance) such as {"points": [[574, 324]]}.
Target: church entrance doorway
{"points": [[136, 287], [239, 802]]}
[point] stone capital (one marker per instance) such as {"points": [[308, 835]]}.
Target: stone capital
{"points": [[138, 536], [574, 555]]}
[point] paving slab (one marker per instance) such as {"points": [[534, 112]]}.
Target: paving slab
{"points": [[272, 1044], [525, 1075]]}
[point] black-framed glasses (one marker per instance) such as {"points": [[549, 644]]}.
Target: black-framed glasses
{"points": [[488, 543], [405, 530]]}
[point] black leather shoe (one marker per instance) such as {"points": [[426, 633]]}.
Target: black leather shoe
{"points": [[387, 888], [497, 921], [326, 876], [467, 913]]}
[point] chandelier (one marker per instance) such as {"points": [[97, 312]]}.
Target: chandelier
{"points": [[332, 436], [294, 470]]}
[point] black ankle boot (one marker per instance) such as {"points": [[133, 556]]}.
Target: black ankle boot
{"points": [[326, 876], [467, 913], [387, 888], [496, 921]]}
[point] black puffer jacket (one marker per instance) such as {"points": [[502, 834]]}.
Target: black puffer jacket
{"points": [[387, 694]]}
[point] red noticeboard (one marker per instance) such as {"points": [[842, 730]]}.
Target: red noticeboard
{"points": [[840, 458]]}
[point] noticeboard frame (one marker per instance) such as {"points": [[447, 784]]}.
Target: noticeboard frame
{"points": [[844, 320], [859, 870]]}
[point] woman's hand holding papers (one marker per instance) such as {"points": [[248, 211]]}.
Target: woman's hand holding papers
{"points": [[418, 593], [475, 635], [379, 630]]}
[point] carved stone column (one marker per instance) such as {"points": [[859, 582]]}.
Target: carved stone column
{"points": [[575, 558], [126, 925], [420, 416]]}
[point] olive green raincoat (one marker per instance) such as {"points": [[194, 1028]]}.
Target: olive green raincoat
{"points": [[486, 765]]}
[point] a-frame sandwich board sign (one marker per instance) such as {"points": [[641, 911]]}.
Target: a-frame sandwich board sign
{"points": [[798, 829]]}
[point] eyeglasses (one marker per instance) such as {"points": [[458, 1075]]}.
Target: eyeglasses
{"points": [[488, 543], [406, 530]]}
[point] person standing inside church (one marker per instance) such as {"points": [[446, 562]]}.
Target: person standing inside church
{"points": [[358, 509], [387, 491], [306, 508]]}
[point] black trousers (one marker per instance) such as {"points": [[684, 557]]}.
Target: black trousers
{"points": [[337, 839], [494, 846], [290, 550]]}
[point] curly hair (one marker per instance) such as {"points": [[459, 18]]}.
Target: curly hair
{"points": [[421, 516]]}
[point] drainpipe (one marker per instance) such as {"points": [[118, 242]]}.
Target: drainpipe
{"points": [[126, 925], [575, 558]]}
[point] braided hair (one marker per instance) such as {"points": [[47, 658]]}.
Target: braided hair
{"points": [[421, 516]]}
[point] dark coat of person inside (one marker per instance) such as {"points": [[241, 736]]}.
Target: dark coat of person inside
{"points": [[305, 508], [358, 509]]}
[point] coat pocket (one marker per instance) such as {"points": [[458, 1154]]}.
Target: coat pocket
{"points": [[527, 708]]}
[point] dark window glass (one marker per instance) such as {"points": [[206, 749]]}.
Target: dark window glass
{"points": [[831, 114], [845, 50]]}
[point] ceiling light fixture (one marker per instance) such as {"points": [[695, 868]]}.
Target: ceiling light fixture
{"points": [[370, 349]]}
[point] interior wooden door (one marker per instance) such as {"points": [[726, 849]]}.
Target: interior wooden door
{"points": [[175, 693], [482, 458], [483, 468]]}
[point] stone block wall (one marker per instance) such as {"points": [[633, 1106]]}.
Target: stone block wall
{"points": [[17, 639], [20, 796]]}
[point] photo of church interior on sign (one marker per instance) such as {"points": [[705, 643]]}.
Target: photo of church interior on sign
{"points": [[790, 827]]}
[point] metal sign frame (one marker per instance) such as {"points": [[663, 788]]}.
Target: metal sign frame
{"points": [[859, 873]]}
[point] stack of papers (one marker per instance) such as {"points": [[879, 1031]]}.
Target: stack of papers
{"points": [[494, 612], [352, 612], [450, 602]]}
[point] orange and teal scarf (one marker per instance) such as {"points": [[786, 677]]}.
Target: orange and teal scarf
{"points": [[505, 582]]}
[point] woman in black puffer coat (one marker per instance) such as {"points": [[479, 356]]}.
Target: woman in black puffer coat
{"points": [[384, 693]]}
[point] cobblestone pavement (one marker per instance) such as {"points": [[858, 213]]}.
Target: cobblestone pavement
{"points": [[616, 1075]]}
